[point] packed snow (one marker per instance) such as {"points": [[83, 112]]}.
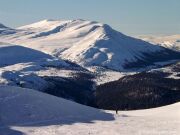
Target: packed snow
{"points": [[25, 111]]}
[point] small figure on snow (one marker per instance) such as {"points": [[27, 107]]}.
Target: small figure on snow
{"points": [[116, 111]]}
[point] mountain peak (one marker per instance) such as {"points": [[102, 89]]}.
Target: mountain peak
{"points": [[90, 43], [2, 26], [49, 20], [59, 22]]}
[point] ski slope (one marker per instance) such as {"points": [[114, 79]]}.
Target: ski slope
{"points": [[25, 111]]}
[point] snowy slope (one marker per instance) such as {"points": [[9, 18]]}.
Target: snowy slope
{"points": [[13, 54], [20, 66], [4, 30], [171, 42], [88, 43], [25, 107], [25, 111], [2, 27]]}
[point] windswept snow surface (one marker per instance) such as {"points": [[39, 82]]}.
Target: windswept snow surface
{"points": [[85, 42], [25, 111]]}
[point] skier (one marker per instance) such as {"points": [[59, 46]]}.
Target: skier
{"points": [[116, 111]]}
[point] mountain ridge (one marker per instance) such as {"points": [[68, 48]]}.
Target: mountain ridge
{"points": [[90, 43]]}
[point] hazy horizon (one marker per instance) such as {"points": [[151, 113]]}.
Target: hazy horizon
{"points": [[142, 17]]}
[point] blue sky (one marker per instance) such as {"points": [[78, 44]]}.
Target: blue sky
{"points": [[133, 17]]}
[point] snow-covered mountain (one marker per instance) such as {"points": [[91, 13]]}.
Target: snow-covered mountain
{"points": [[94, 45], [2, 26], [70, 59], [25, 111], [13, 54], [18, 66], [171, 42], [89, 44], [4, 30]]}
